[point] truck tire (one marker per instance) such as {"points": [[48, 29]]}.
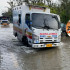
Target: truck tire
{"points": [[15, 34], [25, 41]]}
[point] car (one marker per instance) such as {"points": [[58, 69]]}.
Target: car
{"points": [[63, 28]]}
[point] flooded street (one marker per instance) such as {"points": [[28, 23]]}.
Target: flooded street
{"points": [[15, 56]]}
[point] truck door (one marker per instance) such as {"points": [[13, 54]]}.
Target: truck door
{"points": [[28, 29], [27, 20]]}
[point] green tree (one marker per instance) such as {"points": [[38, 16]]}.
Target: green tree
{"points": [[9, 13], [62, 9], [65, 10]]}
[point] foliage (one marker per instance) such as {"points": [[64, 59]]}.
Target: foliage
{"points": [[65, 11], [9, 13], [62, 9]]}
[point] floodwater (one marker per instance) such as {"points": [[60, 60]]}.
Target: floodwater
{"points": [[15, 56]]}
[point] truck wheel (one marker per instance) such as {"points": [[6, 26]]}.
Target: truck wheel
{"points": [[15, 34], [25, 41]]}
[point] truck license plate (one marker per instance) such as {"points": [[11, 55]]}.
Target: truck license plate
{"points": [[48, 45]]}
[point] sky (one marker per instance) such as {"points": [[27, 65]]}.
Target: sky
{"points": [[4, 5]]}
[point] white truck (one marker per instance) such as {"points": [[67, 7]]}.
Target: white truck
{"points": [[4, 21], [36, 26]]}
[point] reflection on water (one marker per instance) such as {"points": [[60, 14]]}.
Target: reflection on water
{"points": [[41, 60]]}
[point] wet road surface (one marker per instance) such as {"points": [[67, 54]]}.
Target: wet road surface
{"points": [[15, 56]]}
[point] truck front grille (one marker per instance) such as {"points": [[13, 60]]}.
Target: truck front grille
{"points": [[45, 40]]}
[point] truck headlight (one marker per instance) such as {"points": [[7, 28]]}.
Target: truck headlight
{"points": [[35, 38]]}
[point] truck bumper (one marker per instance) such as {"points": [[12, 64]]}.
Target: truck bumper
{"points": [[45, 45], [5, 24]]}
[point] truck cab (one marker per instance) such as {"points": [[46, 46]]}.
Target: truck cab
{"points": [[43, 30]]}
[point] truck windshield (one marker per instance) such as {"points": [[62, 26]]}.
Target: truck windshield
{"points": [[45, 21]]}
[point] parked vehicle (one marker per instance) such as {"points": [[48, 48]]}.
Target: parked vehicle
{"points": [[36, 26], [4, 21], [63, 28]]}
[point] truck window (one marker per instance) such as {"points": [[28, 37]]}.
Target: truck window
{"points": [[27, 19], [19, 19]]}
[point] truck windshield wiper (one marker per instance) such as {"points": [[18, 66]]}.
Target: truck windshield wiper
{"points": [[39, 27], [47, 27]]}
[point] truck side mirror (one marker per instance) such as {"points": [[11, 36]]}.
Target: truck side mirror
{"points": [[30, 25]]}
